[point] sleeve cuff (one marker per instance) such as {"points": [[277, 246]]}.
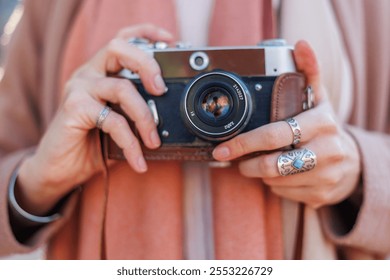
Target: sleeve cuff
{"points": [[9, 243], [369, 229]]}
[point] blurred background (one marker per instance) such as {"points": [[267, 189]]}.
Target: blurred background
{"points": [[10, 13]]}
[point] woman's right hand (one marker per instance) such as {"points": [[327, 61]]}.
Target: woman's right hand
{"points": [[67, 153]]}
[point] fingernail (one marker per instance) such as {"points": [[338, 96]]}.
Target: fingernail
{"points": [[221, 153], [159, 84], [142, 167], [155, 139]]}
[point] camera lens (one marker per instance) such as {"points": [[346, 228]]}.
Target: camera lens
{"points": [[216, 106]]}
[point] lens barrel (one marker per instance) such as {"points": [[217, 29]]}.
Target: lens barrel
{"points": [[216, 105]]}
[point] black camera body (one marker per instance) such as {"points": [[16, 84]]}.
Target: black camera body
{"points": [[215, 93]]}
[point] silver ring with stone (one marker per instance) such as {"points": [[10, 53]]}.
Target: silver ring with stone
{"points": [[296, 130], [296, 161], [102, 116]]}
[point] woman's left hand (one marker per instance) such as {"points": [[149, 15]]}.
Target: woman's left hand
{"points": [[337, 171]]}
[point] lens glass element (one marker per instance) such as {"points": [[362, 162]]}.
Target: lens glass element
{"points": [[216, 103]]}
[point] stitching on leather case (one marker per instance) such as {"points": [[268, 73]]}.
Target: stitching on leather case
{"points": [[281, 83]]}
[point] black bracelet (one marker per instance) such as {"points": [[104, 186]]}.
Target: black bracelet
{"points": [[22, 216]]}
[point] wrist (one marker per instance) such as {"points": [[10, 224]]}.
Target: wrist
{"points": [[32, 189]]}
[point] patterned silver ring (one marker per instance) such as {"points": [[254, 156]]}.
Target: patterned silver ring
{"points": [[296, 130], [296, 161], [102, 116]]}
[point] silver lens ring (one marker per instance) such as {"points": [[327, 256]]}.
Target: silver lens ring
{"points": [[232, 125]]}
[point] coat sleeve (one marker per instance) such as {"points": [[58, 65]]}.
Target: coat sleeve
{"points": [[21, 122], [365, 224]]}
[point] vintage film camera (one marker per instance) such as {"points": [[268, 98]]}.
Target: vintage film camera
{"points": [[215, 93]]}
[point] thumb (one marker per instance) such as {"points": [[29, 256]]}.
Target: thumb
{"points": [[306, 63]]}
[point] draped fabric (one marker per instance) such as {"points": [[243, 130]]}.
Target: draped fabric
{"points": [[140, 216]]}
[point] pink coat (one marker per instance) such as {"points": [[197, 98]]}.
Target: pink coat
{"points": [[248, 217]]}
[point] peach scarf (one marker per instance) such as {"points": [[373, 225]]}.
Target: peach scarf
{"points": [[143, 214]]}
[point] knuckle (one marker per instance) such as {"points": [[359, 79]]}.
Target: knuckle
{"points": [[339, 153], [243, 169], [240, 145], [73, 84], [83, 72], [331, 179], [266, 164], [113, 45], [144, 117], [132, 145], [148, 26], [147, 63], [272, 138], [146, 29], [144, 64], [328, 123], [315, 205], [335, 150], [122, 88], [74, 104], [68, 87], [119, 122], [324, 196]]}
